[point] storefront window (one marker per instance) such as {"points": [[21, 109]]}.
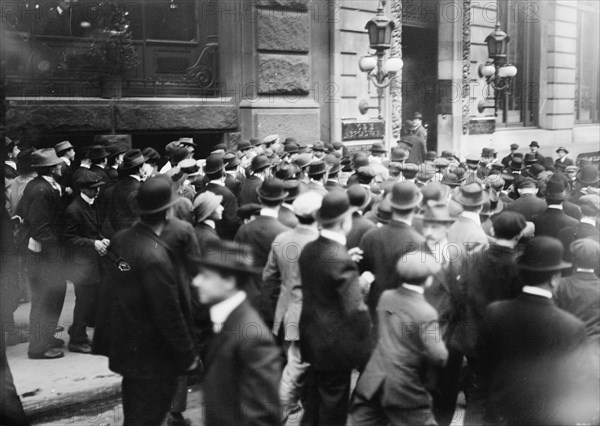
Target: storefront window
{"points": [[587, 92]]}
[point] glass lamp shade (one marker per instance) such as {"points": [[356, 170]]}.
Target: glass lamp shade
{"points": [[380, 32], [394, 64], [367, 63], [497, 43], [488, 70], [507, 71]]}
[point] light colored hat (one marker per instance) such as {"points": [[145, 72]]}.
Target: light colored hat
{"points": [[415, 268], [307, 204], [205, 204]]}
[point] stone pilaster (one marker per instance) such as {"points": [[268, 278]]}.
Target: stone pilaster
{"points": [[396, 86]]}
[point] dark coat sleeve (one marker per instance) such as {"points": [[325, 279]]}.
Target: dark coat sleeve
{"points": [[72, 235], [40, 217]]}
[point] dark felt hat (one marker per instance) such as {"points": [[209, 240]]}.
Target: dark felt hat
{"points": [[244, 145], [63, 146], [255, 142], [508, 224], [45, 157], [450, 179], [229, 256], [88, 179], [530, 158], [132, 159], [588, 175], [543, 254], [378, 148], [290, 148], [317, 168], [471, 195], [562, 148], [10, 143], [417, 115], [555, 190], [534, 144], [260, 162], [405, 196], [97, 152], [248, 210], [514, 146], [318, 146], [384, 211], [154, 195], [272, 189], [399, 154], [334, 207], [516, 163], [231, 160], [214, 163], [359, 196], [333, 163], [151, 155], [360, 159]]}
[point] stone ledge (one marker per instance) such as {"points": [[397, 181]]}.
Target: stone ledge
{"points": [[60, 117], [284, 4]]}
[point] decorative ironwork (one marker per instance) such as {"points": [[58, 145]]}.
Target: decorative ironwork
{"points": [[204, 71]]}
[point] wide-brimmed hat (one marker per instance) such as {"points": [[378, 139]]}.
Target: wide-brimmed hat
{"points": [[543, 254], [154, 195], [63, 146], [45, 157], [317, 168], [205, 204], [229, 256], [437, 212], [214, 163], [535, 144], [334, 207], [471, 195], [260, 162], [404, 196], [272, 189], [562, 148], [318, 146], [97, 152], [88, 179], [132, 159], [588, 175], [359, 196], [378, 148]]}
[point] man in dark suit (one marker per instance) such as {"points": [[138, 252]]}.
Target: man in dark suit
{"points": [[99, 159], [554, 219], [242, 365], [84, 245], [359, 197], [534, 148], [41, 207], [146, 327], [66, 152], [382, 247], [533, 358], [393, 387], [562, 162], [11, 149], [587, 226], [228, 226], [233, 175], [261, 169], [513, 152], [259, 234], [335, 324], [528, 203]]}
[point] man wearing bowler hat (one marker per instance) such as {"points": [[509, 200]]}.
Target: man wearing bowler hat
{"points": [[99, 159], [242, 364], [382, 247], [554, 219], [562, 162], [146, 326], [534, 148], [335, 325], [533, 362], [40, 208], [467, 230], [587, 182], [260, 233], [260, 168], [84, 245], [317, 174]]}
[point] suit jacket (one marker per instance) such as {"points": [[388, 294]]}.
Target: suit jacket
{"points": [[248, 190], [287, 217], [561, 166], [528, 205], [532, 355], [281, 277], [118, 199], [551, 222], [143, 324], [81, 230], [360, 226], [382, 247], [579, 294], [418, 152], [228, 226], [331, 185], [10, 172], [572, 209], [402, 360], [242, 373], [506, 160], [571, 233], [335, 325], [205, 235], [233, 183]]}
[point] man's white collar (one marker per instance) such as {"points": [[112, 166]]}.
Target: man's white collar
{"points": [[221, 311], [414, 288], [331, 235], [87, 199], [537, 291], [266, 211]]}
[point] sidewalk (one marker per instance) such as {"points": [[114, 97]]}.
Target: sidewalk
{"points": [[62, 385]]}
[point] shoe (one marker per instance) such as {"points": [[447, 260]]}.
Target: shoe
{"points": [[176, 421], [56, 343], [82, 348], [49, 354]]}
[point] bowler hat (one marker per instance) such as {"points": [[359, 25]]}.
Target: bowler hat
{"points": [[534, 144], [62, 147], [450, 179], [272, 190], [318, 146], [590, 204], [179, 154], [316, 168], [268, 140], [555, 190], [260, 162], [471, 195], [488, 152], [154, 195], [514, 146], [151, 155], [436, 211], [229, 256], [231, 161], [132, 159], [214, 163], [45, 157], [415, 268], [88, 179], [338, 145], [588, 175], [585, 252], [289, 139], [408, 142], [285, 171], [530, 158], [97, 152], [508, 224], [248, 210], [359, 196], [218, 149], [543, 254], [334, 207], [431, 156], [405, 196], [292, 186], [303, 160], [334, 163], [359, 159], [516, 163], [378, 148], [243, 145], [526, 183], [399, 155], [302, 147], [384, 211], [205, 204], [290, 148], [562, 148]]}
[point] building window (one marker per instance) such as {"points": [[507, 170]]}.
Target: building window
{"points": [[521, 20], [587, 89]]}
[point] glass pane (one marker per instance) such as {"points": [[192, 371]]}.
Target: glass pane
{"points": [[587, 89], [170, 20]]}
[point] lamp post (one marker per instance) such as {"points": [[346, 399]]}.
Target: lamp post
{"points": [[497, 72], [379, 71]]}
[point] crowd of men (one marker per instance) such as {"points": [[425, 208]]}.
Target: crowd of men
{"points": [[274, 270]]}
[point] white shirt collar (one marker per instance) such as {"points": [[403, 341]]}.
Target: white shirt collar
{"points": [[52, 183], [11, 163], [414, 288], [87, 199], [330, 235], [588, 270], [221, 311], [66, 160], [407, 222], [217, 182], [136, 177], [537, 291], [266, 211], [85, 165], [472, 216], [588, 221], [210, 222], [287, 206], [555, 206]]}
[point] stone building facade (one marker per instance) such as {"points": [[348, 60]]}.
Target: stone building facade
{"points": [[225, 69]]}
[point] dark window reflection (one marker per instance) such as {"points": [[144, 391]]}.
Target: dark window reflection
{"points": [[170, 20]]}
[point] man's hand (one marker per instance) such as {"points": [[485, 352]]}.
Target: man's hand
{"points": [[101, 246], [356, 254]]}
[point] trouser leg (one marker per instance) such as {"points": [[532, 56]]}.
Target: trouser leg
{"points": [[147, 401], [179, 403], [292, 378], [328, 403], [83, 312], [448, 387]]}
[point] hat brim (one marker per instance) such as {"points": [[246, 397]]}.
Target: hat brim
{"points": [[229, 267], [216, 201], [450, 184], [212, 171], [141, 160], [140, 211], [280, 197], [559, 267], [326, 221], [414, 203], [468, 202], [93, 185]]}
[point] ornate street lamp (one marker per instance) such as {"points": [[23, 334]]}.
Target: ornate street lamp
{"points": [[497, 72], [379, 71]]}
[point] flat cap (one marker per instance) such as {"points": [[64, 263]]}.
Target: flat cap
{"points": [[585, 252], [590, 204], [415, 268], [307, 204]]}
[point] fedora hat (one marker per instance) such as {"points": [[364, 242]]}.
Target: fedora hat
{"points": [[229, 256], [255, 142], [562, 148], [187, 142], [62, 147], [45, 157], [399, 155], [543, 254], [555, 190], [334, 163], [303, 148], [290, 148], [318, 146], [378, 148], [471, 195], [317, 168], [260, 162], [334, 207], [438, 212], [303, 160], [97, 152], [205, 204], [114, 150], [154, 195], [132, 159], [243, 145], [272, 190], [588, 175], [231, 160], [214, 163], [534, 144], [404, 196], [292, 186], [89, 179]]}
